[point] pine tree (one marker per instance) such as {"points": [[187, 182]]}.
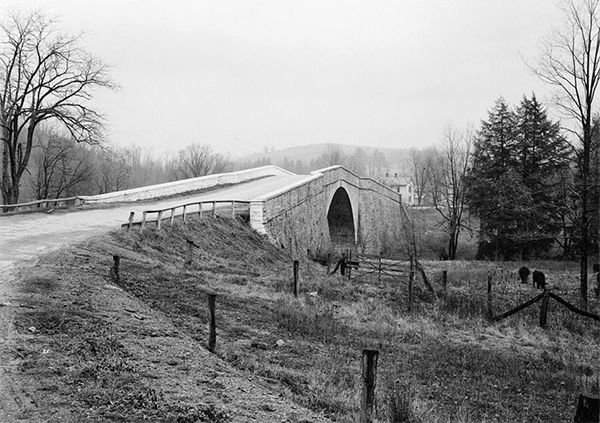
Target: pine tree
{"points": [[519, 161]]}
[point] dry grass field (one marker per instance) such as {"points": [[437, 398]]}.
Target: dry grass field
{"points": [[443, 362]]}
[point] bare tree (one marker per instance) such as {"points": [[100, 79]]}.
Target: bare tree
{"points": [[333, 155], [59, 166], [570, 61], [197, 160], [45, 77], [421, 166], [449, 180], [112, 171]]}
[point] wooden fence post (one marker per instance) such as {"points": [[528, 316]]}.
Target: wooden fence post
{"points": [[189, 253], [212, 325], [445, 279], [379, 275], [411, 278], [131, 215], [544, 308], [159, 220], [369, 379], [328, 263], [588, 408], [115, 271], [490, 312], [296, 267], [349, 267], [143, 222]]}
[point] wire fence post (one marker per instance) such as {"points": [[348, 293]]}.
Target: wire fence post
{"points": [[490, 312], [115, 272], [544, 309], [189, 253], [212, 324], [411, 278], [369, 379], [296, 267], [445, 280]]}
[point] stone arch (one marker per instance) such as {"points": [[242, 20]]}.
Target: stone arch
{"points": [[340, 219]]}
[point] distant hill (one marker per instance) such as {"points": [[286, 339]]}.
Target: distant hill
{"points": [[397, 158]]}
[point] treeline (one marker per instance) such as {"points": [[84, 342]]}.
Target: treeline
{"points": [[60, 167], [370, 164]]}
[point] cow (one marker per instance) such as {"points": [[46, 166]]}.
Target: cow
{"points": [[524, 274], [539, 279]]}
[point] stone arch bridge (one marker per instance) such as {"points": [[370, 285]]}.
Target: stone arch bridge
{"points": [[331, 209]]}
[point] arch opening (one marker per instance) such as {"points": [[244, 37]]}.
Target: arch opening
{"points": [[340, 219]]}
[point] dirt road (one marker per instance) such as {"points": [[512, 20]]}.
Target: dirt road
{"points": [[25, 237]]}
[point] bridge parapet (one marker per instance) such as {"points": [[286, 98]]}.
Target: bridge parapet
{"points": [[185, 185]]}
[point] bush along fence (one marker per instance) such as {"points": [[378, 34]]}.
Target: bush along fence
{"points": [[230, 208]]}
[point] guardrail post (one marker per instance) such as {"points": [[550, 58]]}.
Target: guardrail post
{"points": [[214, 203], [200, 210], [379, 276], [172, 216], [143, 222], [158, 220], [212, 325], [184, 213], [131, 215], [369, 379], [233, 209], [328, 263]]}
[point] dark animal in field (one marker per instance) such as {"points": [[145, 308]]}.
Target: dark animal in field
{"points": [[539, 279], [524, 274]]}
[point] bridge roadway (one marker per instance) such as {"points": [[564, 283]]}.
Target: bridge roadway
{"points": [[26, 236]]}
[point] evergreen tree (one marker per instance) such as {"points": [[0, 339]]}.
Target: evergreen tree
{"points": [[518, 162]]}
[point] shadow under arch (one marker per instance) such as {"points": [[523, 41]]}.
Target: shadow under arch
{"points": [[340, 219]]}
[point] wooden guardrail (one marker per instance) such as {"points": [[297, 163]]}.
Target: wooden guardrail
{"points": [[38, 204], [235, 208]]}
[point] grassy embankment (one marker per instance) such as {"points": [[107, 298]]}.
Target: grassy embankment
{"points": [[444, 362]]}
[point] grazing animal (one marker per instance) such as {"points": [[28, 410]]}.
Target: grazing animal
{"points": [[539, 279], [524, 274]]}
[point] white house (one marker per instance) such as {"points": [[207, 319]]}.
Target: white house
{"points": [[400, 184]]}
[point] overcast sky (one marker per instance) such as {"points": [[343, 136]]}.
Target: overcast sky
{"points": [[242, 75]]}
